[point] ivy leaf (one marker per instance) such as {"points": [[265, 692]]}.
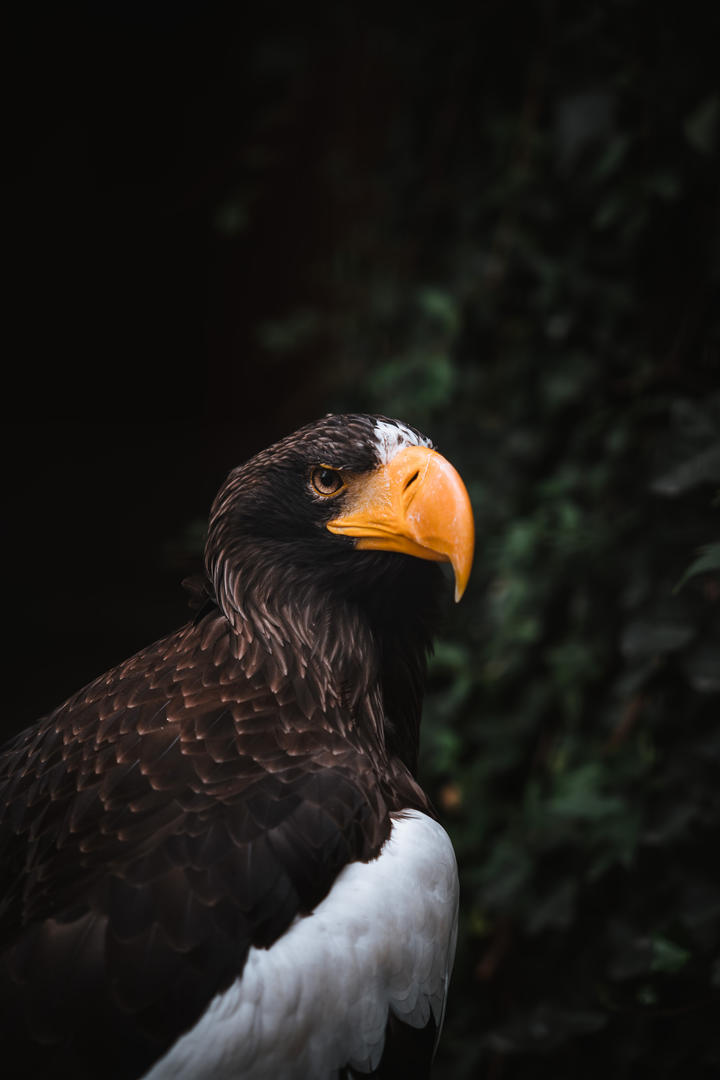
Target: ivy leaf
{"points": [[707, 561], [667, 956]]}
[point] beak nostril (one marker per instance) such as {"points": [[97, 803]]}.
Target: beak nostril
{"points": [[412, 479]]}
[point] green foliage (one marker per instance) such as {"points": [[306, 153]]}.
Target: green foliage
{"points": [[571, 737], [528, 269]]}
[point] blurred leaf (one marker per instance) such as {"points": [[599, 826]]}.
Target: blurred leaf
{"points": [[701, 126], [667, 956], [704, 468], [708, 560], [441, 307], [644, 638], [578, 794]]}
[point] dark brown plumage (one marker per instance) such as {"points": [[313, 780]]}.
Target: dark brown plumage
{"points": [[195, 800]]}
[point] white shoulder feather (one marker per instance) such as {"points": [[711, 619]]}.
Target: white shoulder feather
{"points": [[382, 940]]}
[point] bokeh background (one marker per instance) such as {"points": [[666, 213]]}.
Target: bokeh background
{"points": [[499, 223]]}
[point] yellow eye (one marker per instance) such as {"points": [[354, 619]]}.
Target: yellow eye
{"points": [[326, 481]]}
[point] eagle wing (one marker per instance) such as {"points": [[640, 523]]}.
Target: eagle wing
{"points": [[158, 825]]}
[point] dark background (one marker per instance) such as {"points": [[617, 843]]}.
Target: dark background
{"points": [[502, 226]]}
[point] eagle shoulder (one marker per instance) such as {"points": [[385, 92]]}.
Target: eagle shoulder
{"points": [[379, 948]]}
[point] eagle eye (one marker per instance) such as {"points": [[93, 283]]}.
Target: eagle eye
{"points": [[326, 481]]}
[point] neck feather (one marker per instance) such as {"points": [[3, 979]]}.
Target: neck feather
{"points": [[358, 651]]}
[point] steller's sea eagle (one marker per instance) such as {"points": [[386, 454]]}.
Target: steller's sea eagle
{"points": [[216, 859]]}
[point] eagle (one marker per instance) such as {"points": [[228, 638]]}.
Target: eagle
{"points": [[217, 861]]}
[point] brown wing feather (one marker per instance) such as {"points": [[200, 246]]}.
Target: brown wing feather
{"points": [[163, 820]]}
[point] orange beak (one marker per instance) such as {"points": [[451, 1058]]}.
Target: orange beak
{"points": [[416, 504]]}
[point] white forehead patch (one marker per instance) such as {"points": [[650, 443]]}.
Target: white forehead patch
{"points": [[389, 438]]}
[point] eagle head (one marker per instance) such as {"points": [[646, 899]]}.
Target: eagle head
{"points": [[309, 505]]}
